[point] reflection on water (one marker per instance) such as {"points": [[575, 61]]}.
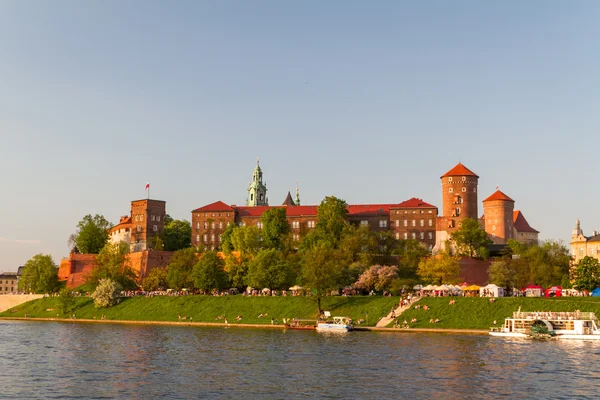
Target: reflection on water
{"points": [[60, 360]]}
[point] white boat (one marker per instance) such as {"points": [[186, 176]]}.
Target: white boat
{"points": [[335, 324], [544, 324]]}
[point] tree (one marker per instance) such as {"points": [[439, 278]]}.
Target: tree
{"points": [[208, 273], [275, 228], [156, 279], [113, 263], [177, 234], [226, 239], [470, 239], [410, 252], [321, 269], [502, 273], [378, 277], [66, 299], [587, 274], [107, 293], [332, 218], [442, 268], [180, 269], [247, 240], [92, 234], [237, 270], [269, 269], [40, 275]]}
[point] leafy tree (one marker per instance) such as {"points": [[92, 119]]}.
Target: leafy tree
{"points": [[40, 275], [470, 239], [113, 263], [587, 274], [502, 273], [177, 234], [180, 269], [410, 252], [92, 234], [332, 218], [359, 243], [66, 299], [107, 293], [442, 268], [247, 240], [321, 269], [275, 228], [237, 270], [269, 269], [378, 277], [156, 279], [208, 273], [226, 239]]}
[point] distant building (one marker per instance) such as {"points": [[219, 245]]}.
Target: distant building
{"points": [[8, 282], [582, 246], [147, 220]]}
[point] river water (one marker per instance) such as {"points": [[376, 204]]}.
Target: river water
{"points": [[73, 360]]}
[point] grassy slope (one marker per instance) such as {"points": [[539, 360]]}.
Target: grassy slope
{"points": [[207, 308], [479, 313]]}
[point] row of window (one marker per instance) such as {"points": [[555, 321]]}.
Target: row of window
{"points": [[213, 215], [212, 225], [413, 222], [413, 235], [205, 238], [154, 228], [415, 212], [464, 189], [140, 217]]}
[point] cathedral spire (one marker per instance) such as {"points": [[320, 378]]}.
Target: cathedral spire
{"points": [[297, 199], [257, 190]]}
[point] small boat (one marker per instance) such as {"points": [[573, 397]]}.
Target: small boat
{"points": [[303, 324], [548, 325], [337, 324]]}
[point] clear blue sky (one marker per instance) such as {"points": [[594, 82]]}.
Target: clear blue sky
{"points": [[368, 101]]}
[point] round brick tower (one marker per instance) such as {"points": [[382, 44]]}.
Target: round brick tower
{"points": [[498, 213], [459, 202]]}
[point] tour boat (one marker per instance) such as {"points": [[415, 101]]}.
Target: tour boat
{"points": [[559, 325], [335, 324], [303, 324]]}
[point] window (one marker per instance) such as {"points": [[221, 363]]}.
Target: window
{"points": [[206, 225], [422, 222], [212, 225], [220, 225], [464, 189], [212, 215], [295, 237], [450, 190], [449, 179], [227, 224], [259, 224], [464, 178], [397, 236], [430, 222], [405, 235], [405, 222], [414, 222], [422, 235], [136, 218], [364, 222], [242, 223], [212, 237], [153, 217], [311, 224], [141, 217], [251, 197], [430, 235], [457, 211], [382, 223], [197, 238], [158, 218], [474, 190], [397, 223], [139, 228], [295, 224], [155, 228], [205, 238], [414, 235], [197, 225], [219, 238]]}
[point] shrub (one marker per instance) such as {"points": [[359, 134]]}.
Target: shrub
{"points": [[106, 293]]}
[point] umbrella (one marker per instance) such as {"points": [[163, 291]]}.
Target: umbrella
{"points": [[296, 287], [418, 287]]}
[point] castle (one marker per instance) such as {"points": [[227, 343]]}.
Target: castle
{"points": [[582, 245], [413, 218]]}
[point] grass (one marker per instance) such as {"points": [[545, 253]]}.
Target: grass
{"points": [[479, 313], [207, 308]]}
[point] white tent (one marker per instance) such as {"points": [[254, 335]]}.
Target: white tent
{"points": [[429, 287], [491, 290]]}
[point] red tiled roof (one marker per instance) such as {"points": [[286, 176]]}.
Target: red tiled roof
{"points": [[291, 211], [216, 206], [413, 203], [460, 170], [124, 223], [521, 223], [368, 209], [498, 195]]}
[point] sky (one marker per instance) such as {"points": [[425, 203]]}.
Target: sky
{"points": [[368, 101]]}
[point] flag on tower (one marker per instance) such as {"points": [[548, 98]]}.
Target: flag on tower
{"points": [[147, 186], [497, 186]]}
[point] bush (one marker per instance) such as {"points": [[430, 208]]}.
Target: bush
{"points": [[106, 293]]}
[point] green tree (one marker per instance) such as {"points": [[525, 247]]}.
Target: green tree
{"points": [[177, 234], [545, 264], [470, 239], [180, 269], [157, 279], [92, 234], [501, 272], [66, 299], [40, 275], [237, 270], [322, 269], [332, 218], [269, 269], [107, 293], [226, 239], [209, 273], [113, 263], [587, 274], [247, 240], [442, 268], [410, 252], [275, 228]]}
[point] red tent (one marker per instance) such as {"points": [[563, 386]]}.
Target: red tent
{"points": [[554, 291]]}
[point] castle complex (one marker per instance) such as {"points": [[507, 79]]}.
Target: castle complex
{"points": [[410, 219]]}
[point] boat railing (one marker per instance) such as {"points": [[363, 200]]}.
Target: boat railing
{"points": [[559, 315]]}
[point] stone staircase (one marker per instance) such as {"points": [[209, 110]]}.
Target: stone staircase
{"points": [[385, 321]]}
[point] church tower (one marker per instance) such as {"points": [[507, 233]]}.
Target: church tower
{"points": [[257, 190], [459, 202]]}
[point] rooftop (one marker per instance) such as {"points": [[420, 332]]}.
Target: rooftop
{"points": [[460, 170]]}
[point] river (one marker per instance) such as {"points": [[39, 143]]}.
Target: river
{"points": [[83, 361]]}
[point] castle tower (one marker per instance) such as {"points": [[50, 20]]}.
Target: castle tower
{"points": [[147, 221], [498, 217], [459, 202], [257, 190], [577, 232]]}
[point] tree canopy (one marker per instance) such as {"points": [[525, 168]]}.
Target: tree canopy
{"points": [[40, 275], [92, 234], [471, 239], [321, 269], [332, 218], [180, 269], [208, 273], [177, 234], [439, 269], [587, 274], [269, 269], [114, 264], [275, 228]]}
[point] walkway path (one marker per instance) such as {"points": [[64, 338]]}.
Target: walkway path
{"points": [[385, 321]]}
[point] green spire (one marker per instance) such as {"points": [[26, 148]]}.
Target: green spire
{"points": [[257, 190]]}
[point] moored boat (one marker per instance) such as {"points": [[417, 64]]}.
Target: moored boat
{"points": [[338, 324], [302, 324], [544, 324]]}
